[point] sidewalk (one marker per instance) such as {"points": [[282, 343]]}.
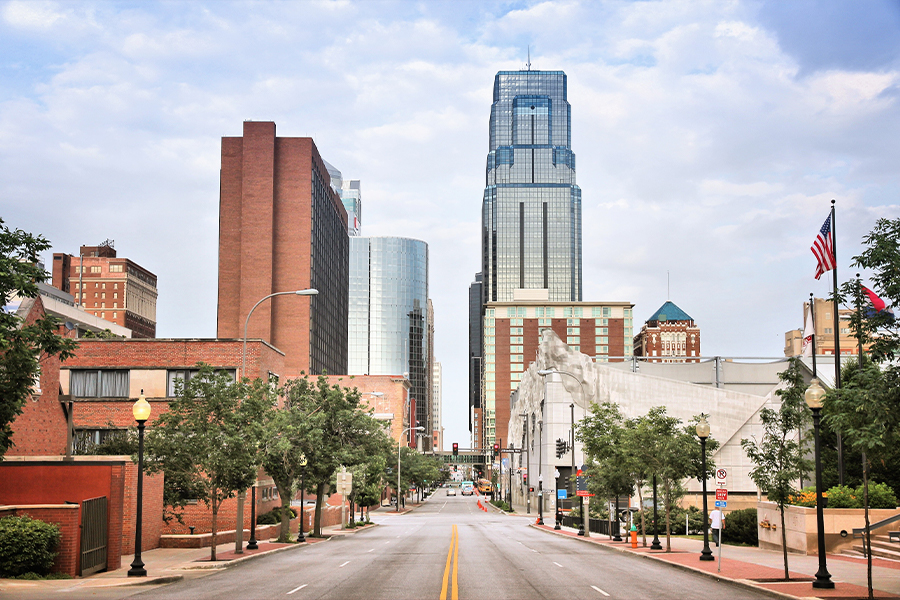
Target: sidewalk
{"points": [[167, 565], [759, 569]]}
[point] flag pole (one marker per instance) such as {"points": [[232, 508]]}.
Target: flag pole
{"points": [[812, 317], [837, 340]]}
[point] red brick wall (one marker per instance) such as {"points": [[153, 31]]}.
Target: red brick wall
{"points": [[152, 522], [68, 518]]}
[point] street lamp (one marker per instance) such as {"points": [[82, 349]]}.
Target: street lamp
{"points": [[814, 396], [141, 412], [703, 433], [400, 441], [655, 545], [239, 525], [300, 537], [540, 520]]}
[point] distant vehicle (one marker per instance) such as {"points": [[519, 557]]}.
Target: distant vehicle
{"points": [[451, 491], [468, 490], [484, 486]]}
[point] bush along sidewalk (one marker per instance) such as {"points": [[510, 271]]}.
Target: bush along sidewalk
{"points": [[27, 547], [502, 505]]}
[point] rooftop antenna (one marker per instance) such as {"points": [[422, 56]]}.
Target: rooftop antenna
{"points": [[528, 64]]}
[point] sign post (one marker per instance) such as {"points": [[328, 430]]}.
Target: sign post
{"points": [[344, 488], [721, 502]]}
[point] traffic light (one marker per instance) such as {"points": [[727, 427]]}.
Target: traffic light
{"points": [[496, 449], [455, 449], [562, 446]]}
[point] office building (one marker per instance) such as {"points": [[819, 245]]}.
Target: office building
{"points": [[670, 334], [823, 311], [115, 289], [388, 315], [531, 213], [512, 337], [437, 427], [281, 228], [474, 363], [350, 194]]}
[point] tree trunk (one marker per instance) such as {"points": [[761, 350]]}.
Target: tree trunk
{"points": [[215, 516], [285, 530], [666, 490], [317, 525], [641, 506], [787, 576], [868, 532]]}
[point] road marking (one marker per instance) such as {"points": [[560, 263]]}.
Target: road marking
{"points": [[345, 564], [599, 590], [452, 558], [557, 564], [297, 589], [370, 550]]}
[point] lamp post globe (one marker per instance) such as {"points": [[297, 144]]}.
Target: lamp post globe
{"points": [[141, 412], [703, 433], [814, 397]]}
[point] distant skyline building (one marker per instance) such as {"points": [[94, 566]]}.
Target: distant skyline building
{"points": [[824, 331], [282, 227], [437, 426], [476, 310], [388, 329], [115, 289], [531, 212], [669, 335], [350, 193]]}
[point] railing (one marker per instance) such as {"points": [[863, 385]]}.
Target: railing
{"points": [[594, 525], [858, 532]]}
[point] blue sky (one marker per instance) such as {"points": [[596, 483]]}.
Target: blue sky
{"points": [[710, 138]]}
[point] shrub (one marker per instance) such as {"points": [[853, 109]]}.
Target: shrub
{"points": [[880, 496], [273, 517], [27, 545], [842, 496], [741, 527], [805, 498], [502, 505]]}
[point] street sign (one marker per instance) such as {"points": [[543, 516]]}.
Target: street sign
{"points": [[722, 494], [721, 504], [721, 475], [582, 493], [562, 494], [511, 450]]}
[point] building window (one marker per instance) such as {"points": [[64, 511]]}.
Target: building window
{"points": [[573, 321], [573, 331], [187, 374], [516, 358], [845, 330], [603, 349], [95, 269], [516, 349], [115, 269], [576, 348], [97, 383], [829, 330], [603, 331], [545, 322], [602, 340], [516, 340], [517, 367], [516, 330], [573, 340]]}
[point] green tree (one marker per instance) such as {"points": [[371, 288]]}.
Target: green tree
{"points": [[23, 345], [340, 433], [778, 456], [207, 441]]}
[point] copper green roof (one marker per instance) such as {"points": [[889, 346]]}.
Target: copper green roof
{"points": [[670, 312]]}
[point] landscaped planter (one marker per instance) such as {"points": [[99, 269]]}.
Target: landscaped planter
{"points": [[800, 523]]}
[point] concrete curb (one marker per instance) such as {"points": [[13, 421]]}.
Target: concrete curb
{"points": [[135, 581], [716, 576], [227, 564]]}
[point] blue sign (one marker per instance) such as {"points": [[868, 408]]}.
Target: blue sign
{"points": [[562, 494], [721, 503]]}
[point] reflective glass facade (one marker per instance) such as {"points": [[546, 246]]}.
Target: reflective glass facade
{"points": [[388, 313], [531, 214]]}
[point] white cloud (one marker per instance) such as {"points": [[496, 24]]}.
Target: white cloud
{"points": [[32, 15]]}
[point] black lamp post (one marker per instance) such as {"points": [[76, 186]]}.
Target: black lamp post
{"points": [[251, 543], [617, 537], [703, 433], [813, 396], [300, 538], [141, 412], [655, 545]]}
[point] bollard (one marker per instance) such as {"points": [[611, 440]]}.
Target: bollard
{"points": [[633, 536]]}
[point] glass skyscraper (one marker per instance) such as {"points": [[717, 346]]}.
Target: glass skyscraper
{"points": [[387, 325], [531, 215]]}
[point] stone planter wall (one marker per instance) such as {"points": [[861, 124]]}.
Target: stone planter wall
{"points": [[800, 523]]}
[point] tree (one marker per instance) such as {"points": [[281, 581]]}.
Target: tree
{"points": [[339, 433], [207, 441], [778, 457], [23, 345]]}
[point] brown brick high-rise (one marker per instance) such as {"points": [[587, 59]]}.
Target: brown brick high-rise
{"points": [[283, 228]]}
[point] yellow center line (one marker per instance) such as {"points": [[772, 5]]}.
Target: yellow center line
{"points": [[452, 558]]}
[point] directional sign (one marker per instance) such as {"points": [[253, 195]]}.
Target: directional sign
{"points": [[562, 494], [721, 504], [582, 493], [722, 494]]}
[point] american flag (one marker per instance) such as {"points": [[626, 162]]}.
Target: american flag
{"points": [[823, 248]]}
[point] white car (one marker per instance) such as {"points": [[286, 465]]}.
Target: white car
{"points": [[451, 491]]}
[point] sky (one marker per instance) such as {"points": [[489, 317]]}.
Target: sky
{"points": [[711, 137]]}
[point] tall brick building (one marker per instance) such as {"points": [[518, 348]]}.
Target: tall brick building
{"points": [[670, 334], [112, 288], [512, 335], [282, 227]]}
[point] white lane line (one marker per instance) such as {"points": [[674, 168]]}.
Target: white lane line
{"points": [[297, 589], [533, 550], [557, 564], [599, 590], [388, 542], [370, 550], [345, 564]]}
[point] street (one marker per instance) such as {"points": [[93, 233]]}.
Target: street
{"points": [[414, 556]]}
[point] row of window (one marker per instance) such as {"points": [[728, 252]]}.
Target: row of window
{"points": [[115, 383]]}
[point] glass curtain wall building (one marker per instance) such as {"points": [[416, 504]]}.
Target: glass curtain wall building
{"points": [[531, 215], [387, 323]]}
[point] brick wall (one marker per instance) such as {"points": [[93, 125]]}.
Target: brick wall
{"points": [[68, 518], [152, 522]]}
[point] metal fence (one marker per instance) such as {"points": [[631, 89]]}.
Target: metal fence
{"points": [[594, 525], [93, 535]]}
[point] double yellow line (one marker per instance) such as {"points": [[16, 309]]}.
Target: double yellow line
{"points": [[452, 558]]}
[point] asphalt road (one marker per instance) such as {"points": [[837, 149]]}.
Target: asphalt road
{"points": [[448, 549]]}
